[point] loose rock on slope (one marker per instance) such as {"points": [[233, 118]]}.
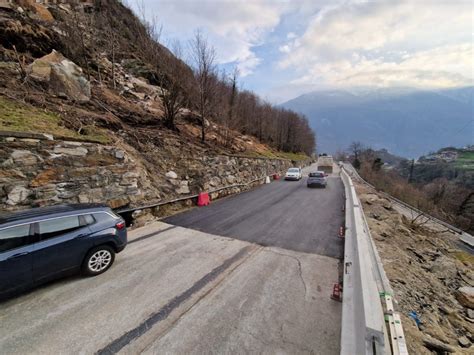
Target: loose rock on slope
{"points": [[429, 276], [62, 77]]}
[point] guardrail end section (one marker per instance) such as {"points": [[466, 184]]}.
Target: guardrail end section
{"points": [[375, 341]]}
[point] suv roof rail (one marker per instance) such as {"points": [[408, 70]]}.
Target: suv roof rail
{"points": [[6, 217]]}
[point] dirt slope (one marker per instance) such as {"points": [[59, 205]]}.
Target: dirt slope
{"points": [[426, 268]]}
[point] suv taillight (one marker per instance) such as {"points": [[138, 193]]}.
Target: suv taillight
{"points": [[120, 225]]}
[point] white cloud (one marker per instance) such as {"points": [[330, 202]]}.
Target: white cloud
{"points": [[233, 27], [424, 44], [285, 48]]}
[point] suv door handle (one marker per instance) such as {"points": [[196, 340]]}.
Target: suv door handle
{"points": [[17, 255], [80, 236]]}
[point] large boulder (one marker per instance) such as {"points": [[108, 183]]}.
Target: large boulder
{"points": [[465, 296], [63, 77]]}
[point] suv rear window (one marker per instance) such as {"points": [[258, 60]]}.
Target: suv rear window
{"points": [[14, 237], [58, 226], [104, 216], [86, 220], [316, 174]]}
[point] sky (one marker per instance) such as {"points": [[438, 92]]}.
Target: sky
{"points": [[286, 48]]}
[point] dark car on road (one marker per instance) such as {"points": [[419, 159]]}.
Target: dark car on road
{"points": [[42, 244], [317, 179]]}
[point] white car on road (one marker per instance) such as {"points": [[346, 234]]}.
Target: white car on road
{"points": [[294, 174]]}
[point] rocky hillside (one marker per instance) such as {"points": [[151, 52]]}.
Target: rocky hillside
{"points": [[84, 114], [98, 64], [433, 279]]}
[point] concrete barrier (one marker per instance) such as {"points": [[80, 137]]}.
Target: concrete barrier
{"points": [[364, 329]]}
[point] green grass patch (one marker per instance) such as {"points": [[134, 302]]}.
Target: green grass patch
{"points": [[292, 156], [465, 161], [466, 156], [464, 257], [279, 155], [19, 117]]}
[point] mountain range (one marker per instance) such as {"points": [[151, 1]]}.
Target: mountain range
{"points": [[408, 122]]}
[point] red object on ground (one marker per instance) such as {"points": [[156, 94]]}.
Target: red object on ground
{"points": [[341, 232], [336, 293], [203, 199], [276, 177]]}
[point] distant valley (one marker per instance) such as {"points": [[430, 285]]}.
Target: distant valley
{"points": [[407, 122]]}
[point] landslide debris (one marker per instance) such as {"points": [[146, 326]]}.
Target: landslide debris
{"points": [[432, 278]]}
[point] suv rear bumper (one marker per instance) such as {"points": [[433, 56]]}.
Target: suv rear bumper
{"points": [[121, 240], [316, 184]]}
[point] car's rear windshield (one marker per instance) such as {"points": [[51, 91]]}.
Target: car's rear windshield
{"points": [[316, 174], [293, 170]]}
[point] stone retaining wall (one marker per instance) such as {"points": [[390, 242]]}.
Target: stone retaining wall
{"points": [[43, 171], [37, 172]]}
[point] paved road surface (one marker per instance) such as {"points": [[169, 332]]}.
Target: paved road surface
{"points": [[179, 290], [285, 214]]}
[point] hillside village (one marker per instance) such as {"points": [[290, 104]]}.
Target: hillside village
{"points": [[448, 155]]}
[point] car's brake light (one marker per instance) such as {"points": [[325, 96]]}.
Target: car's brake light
{"points": [[120, 225]]}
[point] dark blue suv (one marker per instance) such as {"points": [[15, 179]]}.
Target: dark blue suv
{"points": [[45, 243]]}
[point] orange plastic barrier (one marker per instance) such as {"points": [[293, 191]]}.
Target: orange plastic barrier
{"points": [[203, 199], [337, 293]]}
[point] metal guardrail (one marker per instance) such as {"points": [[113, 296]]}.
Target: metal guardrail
{"points": [[463, 236], [184, 198], [189, 197], [367, 301]]}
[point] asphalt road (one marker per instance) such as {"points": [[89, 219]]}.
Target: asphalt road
{"points": [[284, 214], [177, 290]]}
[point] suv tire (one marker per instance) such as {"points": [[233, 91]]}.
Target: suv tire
{"points": [[98, 260]]}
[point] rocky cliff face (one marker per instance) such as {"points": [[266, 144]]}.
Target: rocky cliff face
{"points": [[39, 170]]}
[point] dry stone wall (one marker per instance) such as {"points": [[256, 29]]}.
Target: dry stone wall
{"points": [[38, 170]]}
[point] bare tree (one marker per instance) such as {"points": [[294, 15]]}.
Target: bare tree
{"points": [[172, 84], [232, 103], [203, 58], [356, 149], [75, 30]]}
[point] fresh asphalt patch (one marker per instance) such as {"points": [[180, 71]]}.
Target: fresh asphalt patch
{"points": [[284, 214]]}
